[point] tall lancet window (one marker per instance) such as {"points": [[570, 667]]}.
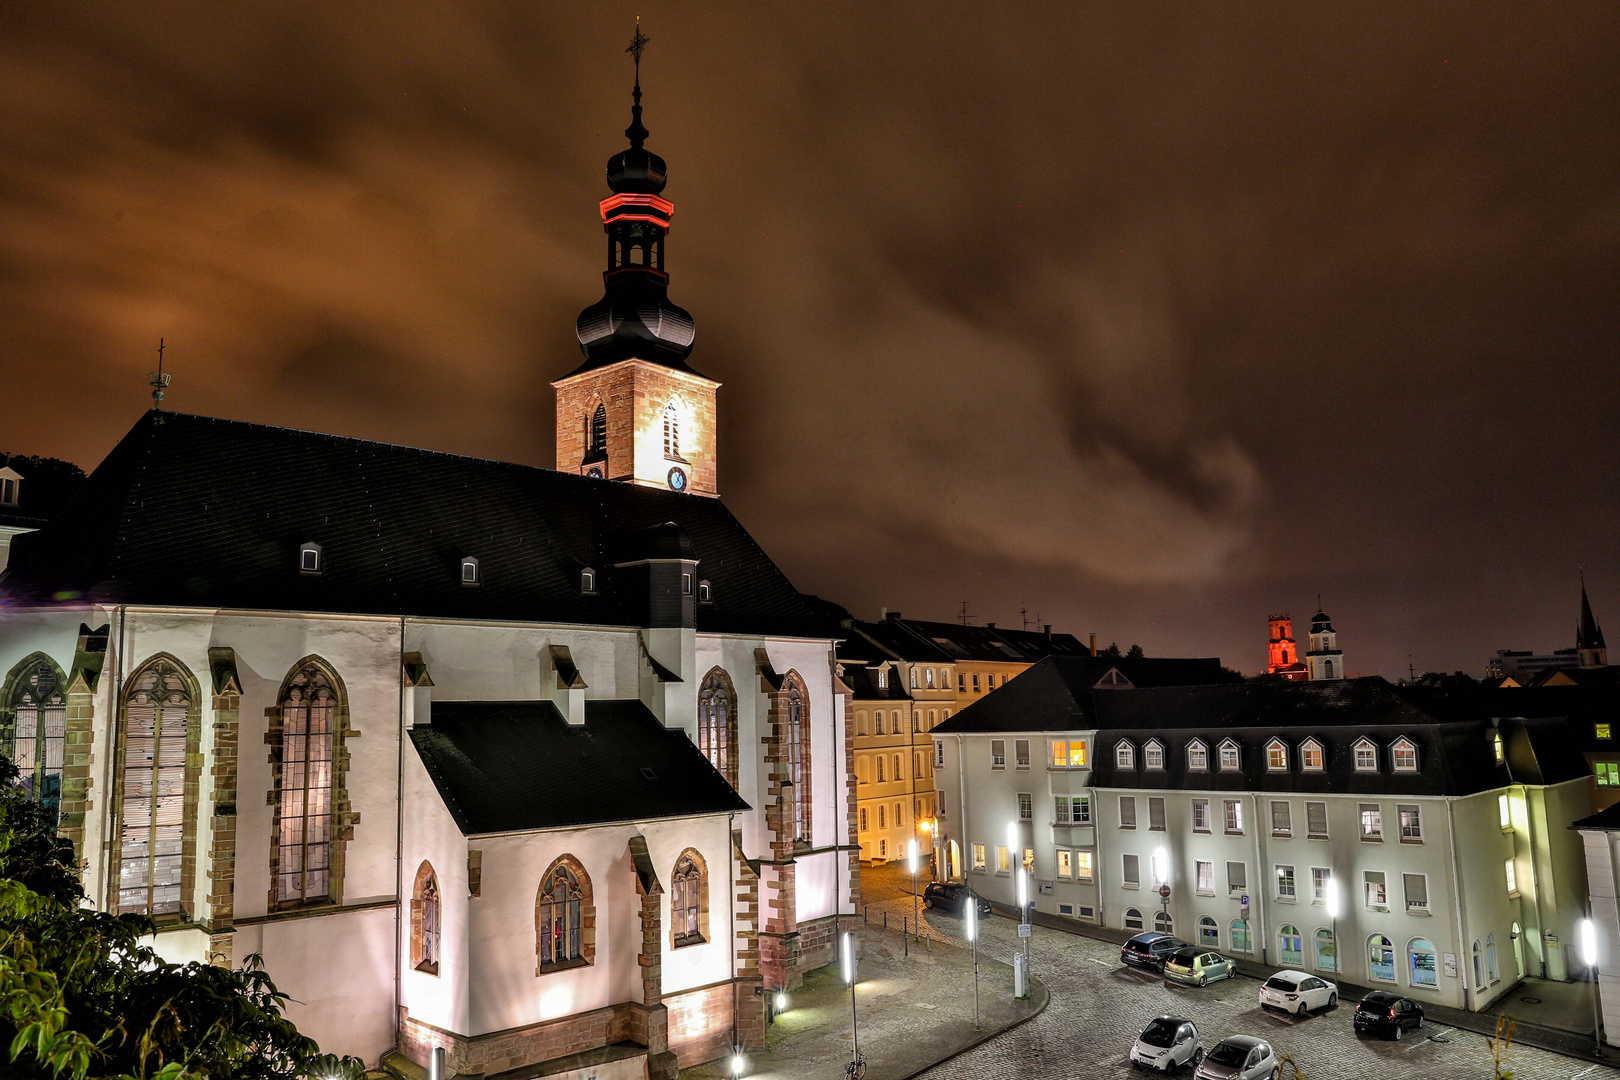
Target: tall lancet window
{"points": [[426, 919], [564, 917], [672, 431], [152, 828], [797, 748], [596, 439], [304, 817], [41, 727], [717, 724]]}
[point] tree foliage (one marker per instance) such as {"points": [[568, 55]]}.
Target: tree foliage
{"points": [[81, 997]]}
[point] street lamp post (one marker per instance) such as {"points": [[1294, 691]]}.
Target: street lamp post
{"points": [[916, 901], [971, 928], [1589, 953], [1333, 914], [1020, 873], [857, 1065]]}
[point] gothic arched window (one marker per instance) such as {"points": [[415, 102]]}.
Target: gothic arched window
{"points": [[688, 901], [717, 723], [156, 826], [797, 749], [565, 921], [596, 438], [303, 860], [39, 730], [427, 921], [672, 431]]}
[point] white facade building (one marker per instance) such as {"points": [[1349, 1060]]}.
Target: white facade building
{"points": [[1455, 876]]}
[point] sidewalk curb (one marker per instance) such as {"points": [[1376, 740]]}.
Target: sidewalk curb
{"points": [[1553, 1040], [986, 1036]]}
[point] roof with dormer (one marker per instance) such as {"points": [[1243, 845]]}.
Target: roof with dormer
{"points": [[198, 511]]}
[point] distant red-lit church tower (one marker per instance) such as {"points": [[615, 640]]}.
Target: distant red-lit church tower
{"points": [[1284, 653]]}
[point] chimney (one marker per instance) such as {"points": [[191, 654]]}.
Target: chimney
{"points": [[1048, 628], [990, 625], [1093, 644], [883, 613], [893, 616]]}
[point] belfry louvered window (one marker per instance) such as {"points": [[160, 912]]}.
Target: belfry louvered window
{"points": [[596, 441], [672, 431], [39, 734], [151, 833], [304, 841]]}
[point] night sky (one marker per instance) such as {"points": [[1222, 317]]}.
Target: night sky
{"points": [[1159, 318]]}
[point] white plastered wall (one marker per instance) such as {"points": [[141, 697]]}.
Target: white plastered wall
{"points": [[430, 834]]}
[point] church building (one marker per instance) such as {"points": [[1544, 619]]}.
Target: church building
{"points": [[548, 769]]}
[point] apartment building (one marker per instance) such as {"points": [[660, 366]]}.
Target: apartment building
{"points": [[1230, 813]]}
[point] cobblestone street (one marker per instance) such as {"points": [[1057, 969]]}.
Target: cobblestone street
{"points": [[1098, 1006]]}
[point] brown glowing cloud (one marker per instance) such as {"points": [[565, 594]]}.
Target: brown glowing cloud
{"points": [[1161, 322]]}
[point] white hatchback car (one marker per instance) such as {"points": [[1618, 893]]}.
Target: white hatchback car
{"points": [[1298, 993], [1168, 1043]]}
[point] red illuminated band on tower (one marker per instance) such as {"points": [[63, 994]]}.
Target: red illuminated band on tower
{"points": [[632, 207]]}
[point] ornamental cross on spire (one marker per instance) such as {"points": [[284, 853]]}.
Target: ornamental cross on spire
{"points": [[638, 45]]}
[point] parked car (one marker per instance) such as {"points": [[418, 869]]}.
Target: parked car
{"points": [[1388, 1014], [1298, 993], [1168, 1043], [1239, 1057], [1193, 966], [1149, 950], [952, 896]]}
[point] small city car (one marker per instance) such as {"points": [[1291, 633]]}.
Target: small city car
{"points": [[1193, 966], [1240, 1057], [952, 896], [1149, 950], [1388, 1014], [1298, 993], [1168, 1043]]}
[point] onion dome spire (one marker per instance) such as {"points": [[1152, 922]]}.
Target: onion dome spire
{"points": [[635, 318]]}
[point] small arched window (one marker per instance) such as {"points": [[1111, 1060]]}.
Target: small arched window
{"points": [[1209, 932], [1242, 939], [929, 676], [469, 570], [1327, 951], [717, 726], [562, 909], [309, 558], [1163, 923], [1381, 958], [1490, 957], [427, 918], [705, 593], [688, 901], [672, 431], [1420, 960], [1293, 952], [1133, 919], [587, 581], [1479, 967]]}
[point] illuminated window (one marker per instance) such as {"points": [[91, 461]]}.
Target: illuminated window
{"points": [[1003, 859], [596, 439], [563, 903], [1205, 877], [1277, 756], [686, 900], [1604, 731], [39, 732], [1512, 872], [1082, 866], [1504, 812], [798, 744], [1310, 755], [1197, 756], [1124, 755], [1234, 815], [1153, 755], [978, 857], [1065, 863], [153, 839], [1231, 761], [1496, 746], [1366, 755], [1285, 882], [1608, 773], [1411, 824], [1403, 756], [426, 921], [928, 676], [1372, 821], [717, 730], [304, 799]]}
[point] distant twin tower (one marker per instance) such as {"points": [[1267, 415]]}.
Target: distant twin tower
{"points": [[1323, 661]]}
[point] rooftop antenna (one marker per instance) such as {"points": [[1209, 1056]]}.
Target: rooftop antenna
{"points": [[1411, 672], [158, 381], [1023, 615], [963, 617]]}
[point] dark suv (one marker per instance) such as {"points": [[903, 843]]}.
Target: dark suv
{"points": [[1149, 951], [952, 896]]}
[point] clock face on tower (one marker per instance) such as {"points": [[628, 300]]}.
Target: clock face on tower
{"points": [[677, 479], [594, 472]]}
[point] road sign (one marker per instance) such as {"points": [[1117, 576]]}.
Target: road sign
{"points": [[1164, 891], [1023, 929], [1244, 899]]}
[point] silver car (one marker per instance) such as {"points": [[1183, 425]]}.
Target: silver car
{"points": [[1240, 1057], [1167, 1043]]}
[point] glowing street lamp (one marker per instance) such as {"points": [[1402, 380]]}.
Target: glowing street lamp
{"points": [[916, 901], [1589, 955], [849, 977], [970, 929], [738, 1064]]}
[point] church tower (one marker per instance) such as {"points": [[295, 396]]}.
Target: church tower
{"points": [[1589, 636], [1324, 660], [634, 410], [1282, 652]]}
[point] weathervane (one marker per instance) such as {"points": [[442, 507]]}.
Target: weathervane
{"points": [[636, 133], [638, 45], [158, 381]]}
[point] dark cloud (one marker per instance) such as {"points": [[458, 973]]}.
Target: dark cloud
{"points": [[1160, 320]]}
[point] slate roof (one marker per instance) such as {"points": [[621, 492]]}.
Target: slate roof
{"points": [[1607, 820], [862, 681], [1451, 729], [503, 766], [191, 510], [924, 642]]}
